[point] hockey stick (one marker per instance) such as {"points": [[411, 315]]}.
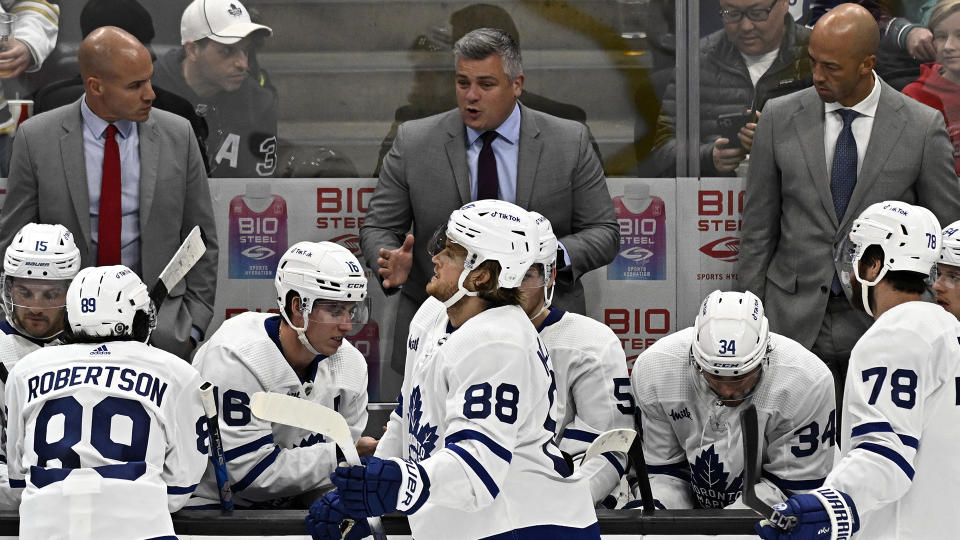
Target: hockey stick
{"points": [[640, 467], [296, 412], [750, 433], [615, 440], [216, 447], [182, 261]]}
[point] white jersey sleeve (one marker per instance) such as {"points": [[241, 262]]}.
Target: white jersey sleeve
{"points": [[900, 399], [593, 391], [269, 463], [37, 26]]}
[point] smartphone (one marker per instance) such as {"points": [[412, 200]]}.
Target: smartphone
{"points": [[730, 125]]}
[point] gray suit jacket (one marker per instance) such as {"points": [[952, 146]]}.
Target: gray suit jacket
{"points": [[424, 177], [790, 227], [48, 184]]}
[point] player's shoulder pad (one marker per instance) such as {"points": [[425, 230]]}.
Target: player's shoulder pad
{"points": [[664, 367]]}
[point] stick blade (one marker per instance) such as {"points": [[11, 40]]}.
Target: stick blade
{"points": [[615, 440], [182, 261], [292, 411]]}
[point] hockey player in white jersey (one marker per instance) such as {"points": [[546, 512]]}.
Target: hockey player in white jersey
{"points": [[37, 268], [898, 469], [593, 386], [103, 430], [690, 387], [947, 285], [322, 296], [469, 452]]}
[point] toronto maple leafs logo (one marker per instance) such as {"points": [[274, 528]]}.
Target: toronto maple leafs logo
{"points": [[709, 480], [425, 435]]}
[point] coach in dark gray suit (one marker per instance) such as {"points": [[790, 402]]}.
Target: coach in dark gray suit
{"points": [[544, 163], [51, 180], [796, 208]]}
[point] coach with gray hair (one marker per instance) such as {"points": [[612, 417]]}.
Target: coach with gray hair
{"points": [[490, 147]]}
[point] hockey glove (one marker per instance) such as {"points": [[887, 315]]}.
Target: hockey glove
{"points": [[327, 521], [381, 487], [822, 514]]}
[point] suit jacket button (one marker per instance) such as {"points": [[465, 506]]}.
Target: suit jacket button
{"points": [[824, 289]]}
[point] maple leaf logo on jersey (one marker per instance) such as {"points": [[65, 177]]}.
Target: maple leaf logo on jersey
{"points": [[425, 435], [709, 481]]}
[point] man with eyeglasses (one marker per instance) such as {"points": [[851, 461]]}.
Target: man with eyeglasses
{"points": [[947, 284], [690, 387], [760, 53], [322, 296]]}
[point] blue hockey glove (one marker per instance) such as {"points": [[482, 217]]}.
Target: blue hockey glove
{"points": [[817, 514], [381, 487], [327, 520]]}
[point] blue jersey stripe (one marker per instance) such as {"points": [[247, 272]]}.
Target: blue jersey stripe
{"points": [[14, 484], [253, 446], [579, 435], [792, 485], [549, 532], [472, 435], [257, 470], [890, 454], [884, 427], [477, 469], [178, 490], [680, 469], [611, 457]]}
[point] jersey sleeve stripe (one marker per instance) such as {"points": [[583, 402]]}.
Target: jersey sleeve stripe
{"points": [[399, 409], [892, 455], [884, 427], [792, 485], [679, 470], [257, 470], [469, 434], [252, 446], [16, 484], [181, 490], [478, 469], [579, 435], [611, 457]]}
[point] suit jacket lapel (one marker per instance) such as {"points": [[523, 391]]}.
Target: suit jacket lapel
{"points": [[149, 164], [888, 124], [456, 147], [528, 159], [72, 158], [808, 122]]}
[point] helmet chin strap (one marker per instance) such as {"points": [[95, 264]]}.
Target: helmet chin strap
{"points": [[301, 332], [865, 286], [461, 291]]}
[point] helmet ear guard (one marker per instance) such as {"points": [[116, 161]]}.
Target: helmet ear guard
{"points": [[950, 245], [731, 334]]}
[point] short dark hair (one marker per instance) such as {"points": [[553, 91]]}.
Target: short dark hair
{"points": [[482, 43], [901, 280]]}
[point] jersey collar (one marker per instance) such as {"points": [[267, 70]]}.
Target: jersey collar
{"points": [[554, 317], [9, 330], [272, 327]]}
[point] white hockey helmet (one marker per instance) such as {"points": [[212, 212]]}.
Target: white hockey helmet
{"points": [[320, 271], [103, 301], [731, 334], [909, 236], [547, 255], [493, 230], [950, 245]]}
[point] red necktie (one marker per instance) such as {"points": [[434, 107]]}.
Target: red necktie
{"points": [[108, 244]]}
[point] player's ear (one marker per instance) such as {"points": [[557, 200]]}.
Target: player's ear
{"points": [[870, 268], [296, 316], [480, 279]]}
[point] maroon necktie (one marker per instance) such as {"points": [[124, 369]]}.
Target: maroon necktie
{"points": [[488, 185], [108, 243]]}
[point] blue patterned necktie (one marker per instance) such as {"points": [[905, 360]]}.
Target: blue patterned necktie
{"points": [[843, 176]]}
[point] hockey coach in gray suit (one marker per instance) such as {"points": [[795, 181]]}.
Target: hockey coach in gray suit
{"points": [[439, 163]]}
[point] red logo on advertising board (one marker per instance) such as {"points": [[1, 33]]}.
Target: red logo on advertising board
{"points": [[349, 241], [726, 249]]}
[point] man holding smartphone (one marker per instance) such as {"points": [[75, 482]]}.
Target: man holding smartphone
{"points": [[760, 53]]}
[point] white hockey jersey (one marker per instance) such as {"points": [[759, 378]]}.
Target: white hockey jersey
{"points": [[13, 347], [900, 425], [269, 464], [593, 391], [692, 442], [103, 439], [476, 412]]}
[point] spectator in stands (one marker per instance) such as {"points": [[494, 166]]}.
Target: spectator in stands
{"points": [[760, 53], [211, 70], [491, 146], [128, 15], [35, 30], [939, 82], [128, 182], [812, 172]]}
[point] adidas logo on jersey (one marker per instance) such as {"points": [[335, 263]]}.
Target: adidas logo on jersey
{"points": [[99, 351]]}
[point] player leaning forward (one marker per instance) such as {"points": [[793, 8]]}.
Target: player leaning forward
{"points": [[691, 386], [322, 295], [469, 451], [898, 471], [102, 431]]}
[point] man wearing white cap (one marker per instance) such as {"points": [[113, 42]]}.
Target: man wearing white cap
{"points": [[210, 71]]}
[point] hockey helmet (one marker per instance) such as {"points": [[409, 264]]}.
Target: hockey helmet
{"points": [[731, 334], [104, 301]]}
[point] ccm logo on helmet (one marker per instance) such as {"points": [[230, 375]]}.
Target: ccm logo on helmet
{"points": [[354, 285], [721, 365]]}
